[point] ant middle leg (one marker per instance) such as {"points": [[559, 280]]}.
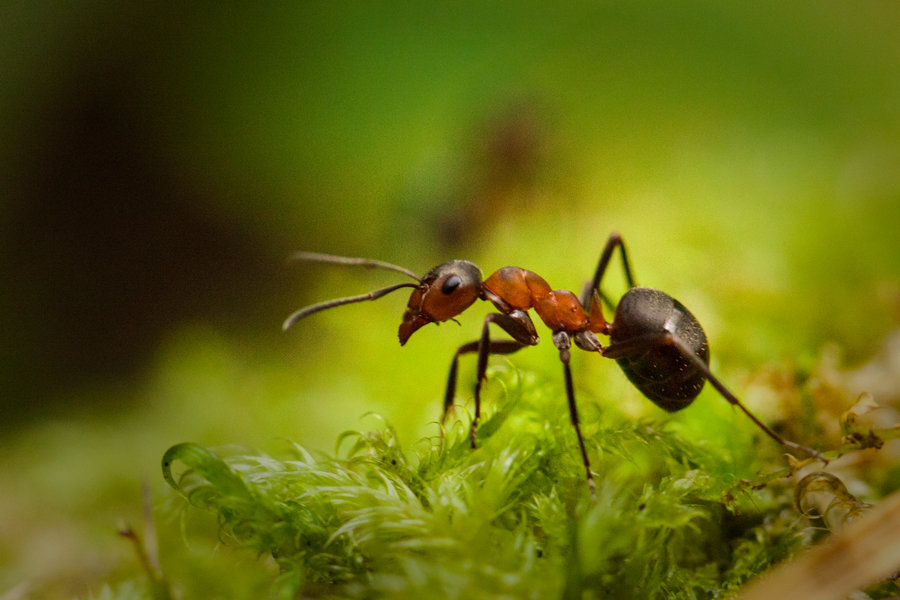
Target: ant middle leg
{"points": [[562, 342], [518, 325]]}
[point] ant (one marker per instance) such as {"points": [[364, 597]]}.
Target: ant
{"points": [[657, 342]]}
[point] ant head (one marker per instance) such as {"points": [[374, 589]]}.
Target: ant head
{"points": [[446, 291]]}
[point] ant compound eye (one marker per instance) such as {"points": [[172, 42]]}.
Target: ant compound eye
{"points": [[450, 284]]}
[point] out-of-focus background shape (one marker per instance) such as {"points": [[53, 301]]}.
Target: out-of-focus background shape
{"points": [[159, 164]]}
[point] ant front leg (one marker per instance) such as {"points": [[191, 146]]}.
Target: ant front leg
{"points": [[517, 324], [496, 347], [614, 241]]}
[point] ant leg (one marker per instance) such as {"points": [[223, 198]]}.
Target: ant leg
{"points": [[645, 342], [636, 344], [732, 399], [496, 347], [519, 326], [614, 241], [573, 415]]}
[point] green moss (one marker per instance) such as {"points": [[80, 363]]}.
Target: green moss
{"points": [[512, 518]]}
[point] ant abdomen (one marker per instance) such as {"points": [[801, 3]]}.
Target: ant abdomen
{"points": [[649, 319]]}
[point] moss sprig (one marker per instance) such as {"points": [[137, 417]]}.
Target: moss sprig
{"points": [[512, 518]]}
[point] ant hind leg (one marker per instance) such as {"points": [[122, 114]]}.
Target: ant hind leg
{"points": [[615, 241], [701, 365]]}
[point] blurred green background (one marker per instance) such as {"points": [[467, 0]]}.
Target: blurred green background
{"points": [[159, 164]]}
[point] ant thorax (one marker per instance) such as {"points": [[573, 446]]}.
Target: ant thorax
{"points": [[515, 288]]}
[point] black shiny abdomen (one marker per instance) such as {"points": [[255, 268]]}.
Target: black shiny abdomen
{"points": [[660, 371]]}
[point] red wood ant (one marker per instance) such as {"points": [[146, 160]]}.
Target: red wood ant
{"points": [[656, 341]]}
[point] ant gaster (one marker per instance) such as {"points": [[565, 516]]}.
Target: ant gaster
{"points": [[657, 342]]}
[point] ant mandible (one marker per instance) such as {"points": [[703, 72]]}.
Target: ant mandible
{"points": [[656, 341]]}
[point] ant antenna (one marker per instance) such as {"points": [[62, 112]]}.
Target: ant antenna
{"points": [[367, 263], [375, 295], [344, 260]]}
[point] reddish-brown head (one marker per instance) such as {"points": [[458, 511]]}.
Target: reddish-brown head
{"points": [[446, 291]]}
